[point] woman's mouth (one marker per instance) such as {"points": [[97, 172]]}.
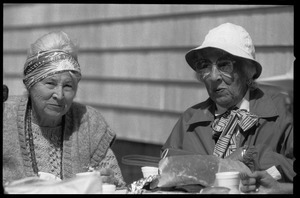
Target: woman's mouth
{"points": [[56, 107], [219, 90]]}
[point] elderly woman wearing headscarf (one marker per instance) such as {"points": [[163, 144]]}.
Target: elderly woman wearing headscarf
{"points": [[238, 118], [45, 131]]}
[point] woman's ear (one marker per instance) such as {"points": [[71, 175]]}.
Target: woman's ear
{"points": [[197, 76]]}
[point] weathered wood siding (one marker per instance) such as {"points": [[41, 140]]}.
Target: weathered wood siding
{"points": [[132, 56]]}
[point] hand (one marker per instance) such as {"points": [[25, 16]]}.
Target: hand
{"points": [[259, 182], [107, 176]]}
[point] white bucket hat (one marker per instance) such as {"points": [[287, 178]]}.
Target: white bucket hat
{"points": [[231, 38]]}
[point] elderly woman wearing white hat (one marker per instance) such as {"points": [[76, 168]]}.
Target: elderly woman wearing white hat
{"points": [[237, 116]]}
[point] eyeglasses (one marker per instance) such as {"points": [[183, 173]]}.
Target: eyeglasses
{"points": [[204, 66]]}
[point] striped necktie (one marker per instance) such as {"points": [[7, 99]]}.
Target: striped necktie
{"points": [[227, 127]]}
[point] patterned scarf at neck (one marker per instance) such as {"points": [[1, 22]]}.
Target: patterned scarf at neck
{"points": [[227, 126]]}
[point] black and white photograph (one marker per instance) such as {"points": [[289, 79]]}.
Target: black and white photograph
{"points": [[149, 99]]}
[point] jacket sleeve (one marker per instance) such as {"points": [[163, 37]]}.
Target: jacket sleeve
{"points": [[277, 150], [283, 155], [286, 156], [174, 140], [276, 138], [267, 158], [110, 161], [102, 138]]}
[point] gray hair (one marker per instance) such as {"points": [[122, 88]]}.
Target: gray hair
{"points": [[75, 77], [249, 71], [54, 40]]}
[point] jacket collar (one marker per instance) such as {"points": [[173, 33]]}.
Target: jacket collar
{"points": [[260, 103], [202, 112]]}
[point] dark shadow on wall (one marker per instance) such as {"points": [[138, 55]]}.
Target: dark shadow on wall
{"points": [[123, 147]]}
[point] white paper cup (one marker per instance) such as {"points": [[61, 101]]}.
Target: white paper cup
{"points": [[48, 176], [228, 179], [121, 191], [149, 170], [91, 175], [84, 174], [108, 188]]}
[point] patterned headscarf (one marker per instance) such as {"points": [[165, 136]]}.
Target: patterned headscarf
{"points": [[46, 63]]}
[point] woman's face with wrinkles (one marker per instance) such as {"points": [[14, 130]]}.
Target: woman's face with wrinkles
{"points": [[52, 97], [225, 90]]}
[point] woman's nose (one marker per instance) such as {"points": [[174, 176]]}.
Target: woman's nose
{"points": [[215, 73], [58, 94]]}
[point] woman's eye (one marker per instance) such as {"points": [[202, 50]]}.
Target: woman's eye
{"points": [[68, 86], [50, 83], [202, 64], [224, 63]]}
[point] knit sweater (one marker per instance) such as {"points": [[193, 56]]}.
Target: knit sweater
{"points": [[86, 142], [47, 148]]}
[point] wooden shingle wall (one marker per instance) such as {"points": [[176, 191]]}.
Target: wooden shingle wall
{"points": [[132, 56]]}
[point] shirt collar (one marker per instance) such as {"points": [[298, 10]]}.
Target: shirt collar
{"points": [[244, 103]]}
